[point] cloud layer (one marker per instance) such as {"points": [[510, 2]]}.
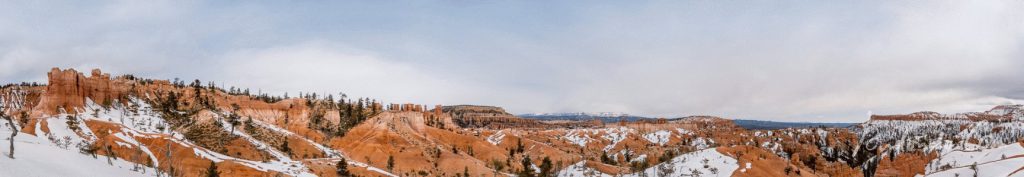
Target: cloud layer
{"points": [[790, 60]]}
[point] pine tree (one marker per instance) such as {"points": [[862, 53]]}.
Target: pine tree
{"points": [[212, 170], [527, 168], [342, 168], [497, 166], [519, 145], [72, 122], [233, 120], [391, 163], [545, 167], [605, 159], [285, 148], [465, 172]]}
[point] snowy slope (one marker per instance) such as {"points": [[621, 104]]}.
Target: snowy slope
{"points": [[1001, 161], [37, 156], [579, 169], [707, 162], [659, 137]]}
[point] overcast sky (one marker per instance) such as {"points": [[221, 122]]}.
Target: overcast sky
{"points": [[826, 61]]}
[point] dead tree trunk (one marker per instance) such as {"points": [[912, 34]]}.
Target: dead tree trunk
{"points": [[14, 131]]}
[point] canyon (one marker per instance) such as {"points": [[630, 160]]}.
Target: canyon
{"points": [[104, 125]]}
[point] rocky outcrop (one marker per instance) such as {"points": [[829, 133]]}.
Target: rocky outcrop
{"points": [[68, 89], [472, 116]]}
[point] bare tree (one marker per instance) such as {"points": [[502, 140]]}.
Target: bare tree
{"points": [[665, 169], [14, 130]]}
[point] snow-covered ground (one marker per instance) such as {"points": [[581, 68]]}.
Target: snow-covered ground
{"points": [[1000, 161], [578, 137], [38, 156], [707, 162], [659, 137], [615, 136], [932, 134], [496, 138], [580, 169], [701, 143]]}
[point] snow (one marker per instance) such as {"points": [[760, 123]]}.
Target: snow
{"points": [[37, 156], [132, 142], [139, 120], [702, 162], [641, 158], [496, 138], [283, 164], [684, 131], [659, 137], [1000, 161], [708, 162], [701, 143], [578, 137], [934, 135], [138, 115], [579, 169], [330, 152], [582, 137], [615, 135], [996, 168]]}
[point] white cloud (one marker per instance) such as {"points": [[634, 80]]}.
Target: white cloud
{"points": [[774, 60], [328, 68]]}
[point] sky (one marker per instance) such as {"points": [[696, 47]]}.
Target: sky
{"points": [[820, 61]]}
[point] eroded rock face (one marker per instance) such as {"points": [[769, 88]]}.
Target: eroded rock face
{"points": [[473, 116], [68, 89], [442, 141]]}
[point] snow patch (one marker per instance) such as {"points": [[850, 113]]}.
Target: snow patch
{"points": [[660, 137], [497, 137]]}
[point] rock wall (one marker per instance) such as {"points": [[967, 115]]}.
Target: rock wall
{"points": [[68, 89], [471, 116]]}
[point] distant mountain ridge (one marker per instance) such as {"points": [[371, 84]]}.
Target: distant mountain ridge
{"points": [[583, 116], [615, 117], [773, 125], [997, 113]]}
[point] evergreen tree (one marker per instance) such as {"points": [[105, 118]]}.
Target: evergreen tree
{"points": [[497, 166], [233, 120], [519, 145], [545, 167], [342, 168], [527, 168], [391, 163], [72, 122], [285, 148], [605, 159], [212, 170]]}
